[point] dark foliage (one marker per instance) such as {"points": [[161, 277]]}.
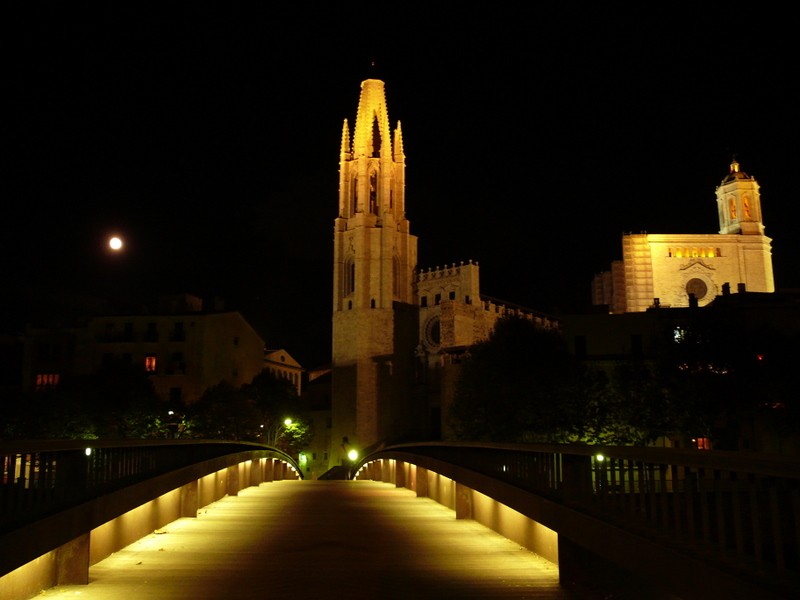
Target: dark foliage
{"points": [[727, 378], [713, 380], [522, 384], [117, 401], [256, 412]]}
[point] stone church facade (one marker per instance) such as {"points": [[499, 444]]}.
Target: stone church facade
{"points": [[398, 331], [680, 270]]}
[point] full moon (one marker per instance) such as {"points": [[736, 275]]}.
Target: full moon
{"points": [[115, 243]]}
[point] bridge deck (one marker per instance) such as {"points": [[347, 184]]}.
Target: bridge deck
{"points": [[321, 539]]}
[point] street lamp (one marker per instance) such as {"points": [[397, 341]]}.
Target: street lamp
{"points": [[275, 434], [352, 456]]}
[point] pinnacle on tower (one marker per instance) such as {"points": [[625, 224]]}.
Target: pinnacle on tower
{"points": [[345, 148], [398, 152]]}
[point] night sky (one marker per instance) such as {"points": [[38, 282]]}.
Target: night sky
{"points": [[208, 136]]}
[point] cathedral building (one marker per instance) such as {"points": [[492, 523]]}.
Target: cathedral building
{"points": [[396, 329], [679, 270]]}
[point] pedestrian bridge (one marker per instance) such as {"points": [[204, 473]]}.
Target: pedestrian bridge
{"points": [[617, 522]]}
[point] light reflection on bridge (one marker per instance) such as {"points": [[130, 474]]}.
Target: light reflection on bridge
{"points": [[321, 539]]}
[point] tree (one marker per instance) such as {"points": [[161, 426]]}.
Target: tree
{"points": [[633, 408], [275, 400], [520, 385], [116, 401], [257, 411], [731, 379], [223, 412]]}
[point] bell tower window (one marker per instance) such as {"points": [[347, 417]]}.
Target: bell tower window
{"points": [[376, 138], [373, 193]]}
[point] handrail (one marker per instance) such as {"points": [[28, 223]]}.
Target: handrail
{"points": [[40, 477], [742, 509]]}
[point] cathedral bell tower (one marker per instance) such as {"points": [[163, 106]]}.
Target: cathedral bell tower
{"points": [[375, 311], [739, 203]]}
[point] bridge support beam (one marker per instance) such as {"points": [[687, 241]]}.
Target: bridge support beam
{"points": [[464, 502], [400, 474], [189, 499], [72, 561], [422, 482], [577, 483], [256, 472], [232, 480]]}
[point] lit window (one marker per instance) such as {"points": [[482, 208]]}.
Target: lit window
{"points": [[150, 363], [46, 381], [702, 443]]}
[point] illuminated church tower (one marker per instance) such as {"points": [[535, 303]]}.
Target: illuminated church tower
{"points": [[739, 203], [678, 270], [375, 312]]}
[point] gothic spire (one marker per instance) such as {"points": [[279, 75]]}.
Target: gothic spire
{"points": [[399, 153], [345, 148], [372, 121]]}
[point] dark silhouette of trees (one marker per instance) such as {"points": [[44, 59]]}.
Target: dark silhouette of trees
{"points": [[632, 406], [119, 401], [710, 379], [116, 401], [520, 385], [275, 401], [223, 413], [730, 379], [255, 412]]}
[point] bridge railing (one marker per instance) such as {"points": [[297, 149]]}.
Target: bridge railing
{"points": [[743, 509], [39, 478]]}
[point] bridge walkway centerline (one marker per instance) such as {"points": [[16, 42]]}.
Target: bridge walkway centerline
{"points": [[322, 539]]}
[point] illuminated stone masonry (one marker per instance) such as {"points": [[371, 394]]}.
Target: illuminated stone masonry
{"points": [[676, 270]]}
